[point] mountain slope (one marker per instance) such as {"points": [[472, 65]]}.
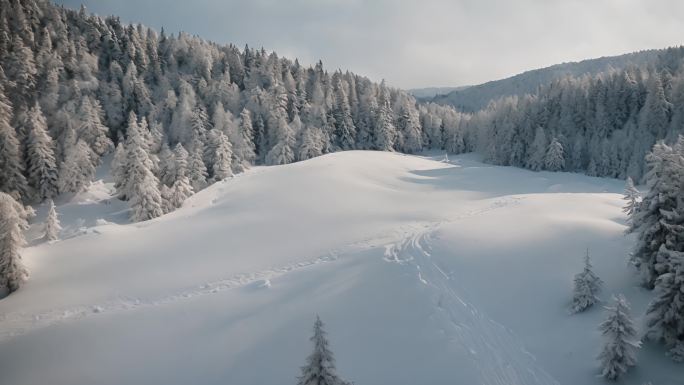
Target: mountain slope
{"points": [[425, 272], [477, 97]]}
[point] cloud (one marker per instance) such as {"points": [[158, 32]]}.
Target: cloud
{"points": [[419, 43]]}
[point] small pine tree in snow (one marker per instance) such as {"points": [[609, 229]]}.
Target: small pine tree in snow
{"points": [[12, 221], [632, 200], [587, 287], [621, 342], [320, 365], [665, 313], [555, 156], [52, 227]]}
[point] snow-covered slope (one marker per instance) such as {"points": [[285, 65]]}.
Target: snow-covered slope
{"points": [[426, 272]]}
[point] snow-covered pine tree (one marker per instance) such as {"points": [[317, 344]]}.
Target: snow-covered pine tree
{"points": [[408, 126], [77, 170], [538, 150], [197, 171], [219, 153], [665, 313], [345, 131], [146, 201], [385, 130], [310, 145], [91, 129], [167, 165], [663, 179], [52, 226], [141, 185], [246, 150], [587, 286], [181, 188], [13, 273], [631, 197], [282, 152], [621, 342], [42, 169], [12, 180], [554, 160], [320, 365]]}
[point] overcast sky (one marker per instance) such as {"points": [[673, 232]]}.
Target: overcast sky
{"points": [[419, 43]]}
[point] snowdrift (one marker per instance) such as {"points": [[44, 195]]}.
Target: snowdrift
{"points": [[424, 271]]}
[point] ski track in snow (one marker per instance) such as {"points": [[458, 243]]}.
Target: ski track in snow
{"points": [[499, 356], [16, 324], [497, 353]]}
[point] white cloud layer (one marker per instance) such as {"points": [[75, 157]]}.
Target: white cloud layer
{"points": [[419, 43]]}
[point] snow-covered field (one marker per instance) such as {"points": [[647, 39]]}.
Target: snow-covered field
{"points": [[425, 272]]}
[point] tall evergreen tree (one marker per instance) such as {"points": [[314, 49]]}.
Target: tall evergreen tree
{"points": [[42, 168], [555, 156], [665, 313], [12, 180], [77, 170], [632, 198], [13, 273], [665, 168]]}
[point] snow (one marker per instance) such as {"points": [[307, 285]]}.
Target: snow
{"points": [[424, 271]]}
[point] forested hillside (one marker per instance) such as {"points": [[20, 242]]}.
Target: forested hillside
{"points": [[478, 97], [181, 112], [602, 125]]}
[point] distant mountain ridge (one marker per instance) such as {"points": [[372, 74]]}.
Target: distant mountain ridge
{"points": [[427, 93], [475, 98]]}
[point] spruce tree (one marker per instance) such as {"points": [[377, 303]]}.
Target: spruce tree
{"points": [[13, 273], [345, 131], [621, 342], [181, 188], [282, 152], [663, 179], [220, 155], [12, 180], [310, 144], [320, 365], [91, 129], [554, 159], [385, 132], [246, 151], [52, 226], [77, 170], [197, 171], [631, 197], [42, 169], [665, 313], [587, 286]]}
